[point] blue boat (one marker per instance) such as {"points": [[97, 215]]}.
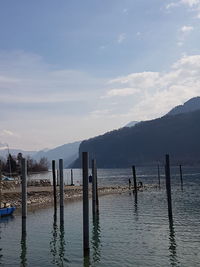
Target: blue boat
{"points": [[6, 211]]}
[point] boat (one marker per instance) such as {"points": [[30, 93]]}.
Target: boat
{"points": [[6, 211]]}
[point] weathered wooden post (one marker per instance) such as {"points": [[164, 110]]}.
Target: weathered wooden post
{"points": [[94, 196], [158, 175], [58, 178], [168, 187], [181, 176], [0, 185], [72, 178], [24, 187], [61, 191], [54, 185], [97, 194], [85, 204], [134, 179]]}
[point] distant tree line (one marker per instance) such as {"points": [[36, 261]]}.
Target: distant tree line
{"points": [[12, 165]]}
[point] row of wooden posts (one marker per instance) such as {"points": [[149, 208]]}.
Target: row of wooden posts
{"points": [[95, 202]]}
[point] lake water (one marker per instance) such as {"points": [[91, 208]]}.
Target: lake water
{"points": [[132, 230]]}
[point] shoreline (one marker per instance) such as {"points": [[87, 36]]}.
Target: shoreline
{"points": [[37, 196]]}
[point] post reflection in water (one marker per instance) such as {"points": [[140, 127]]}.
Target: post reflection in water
{"points": [[86, 260], [172, 244], [96, 239], [23, 244], [135, 195], [53, 242], [57, 244], [1, 255]]}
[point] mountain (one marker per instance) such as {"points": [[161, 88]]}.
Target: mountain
{"points": [[131, 124], [189, 106], [67, 152], [147, 142]]}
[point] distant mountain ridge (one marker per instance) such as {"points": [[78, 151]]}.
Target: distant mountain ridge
{"points": [[147, 142], [67, 152], [191, 105], [131, 124]]}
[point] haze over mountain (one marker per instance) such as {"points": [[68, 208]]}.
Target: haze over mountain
{"points": [[148, 142], [67, 152]]}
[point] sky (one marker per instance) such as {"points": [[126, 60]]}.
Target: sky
{"points": [[72, 70]]}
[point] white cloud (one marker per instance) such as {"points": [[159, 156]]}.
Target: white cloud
{"points": [[190, 3], [7, 132], [158, 92], [186, 29], [122, 92], [121, 38]]}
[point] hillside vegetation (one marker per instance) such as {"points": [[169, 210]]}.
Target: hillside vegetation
{"points": [[147, 142]]}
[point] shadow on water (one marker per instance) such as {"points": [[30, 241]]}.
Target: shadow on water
{"points": [[23, 245], [172, 244], [57, 244]]}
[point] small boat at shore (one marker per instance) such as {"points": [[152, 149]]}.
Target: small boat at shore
{"points": [[6, 211]]}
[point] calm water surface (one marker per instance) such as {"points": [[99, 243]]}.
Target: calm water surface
{"points": [[132, 230]]}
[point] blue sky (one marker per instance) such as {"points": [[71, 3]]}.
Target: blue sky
{"points": [[71, 70]]}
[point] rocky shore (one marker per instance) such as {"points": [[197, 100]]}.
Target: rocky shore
{"points": [[44, 195]]}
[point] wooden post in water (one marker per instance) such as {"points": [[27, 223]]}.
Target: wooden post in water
{"points": [[181, 176], [72, 178], [24, 187], [97, 194], [85, 204], [0, 184], [168, 187], [94, 195], [54, 185], [134, 179], [61, 191], [158, 175], [58, 178]]}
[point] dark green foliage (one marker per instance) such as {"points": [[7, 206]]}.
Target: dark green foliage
{"points": [[147, 143], [12, 166]]}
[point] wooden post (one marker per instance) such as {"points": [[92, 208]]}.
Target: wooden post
{"points": [[72, 180], [97, 194], [85, 203], [58, 179], [54, 185], [134, 179], [0, 184], [24, 187], [168, 187], [61, 191], [158, 175], [94, 196], [181, 176]]}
